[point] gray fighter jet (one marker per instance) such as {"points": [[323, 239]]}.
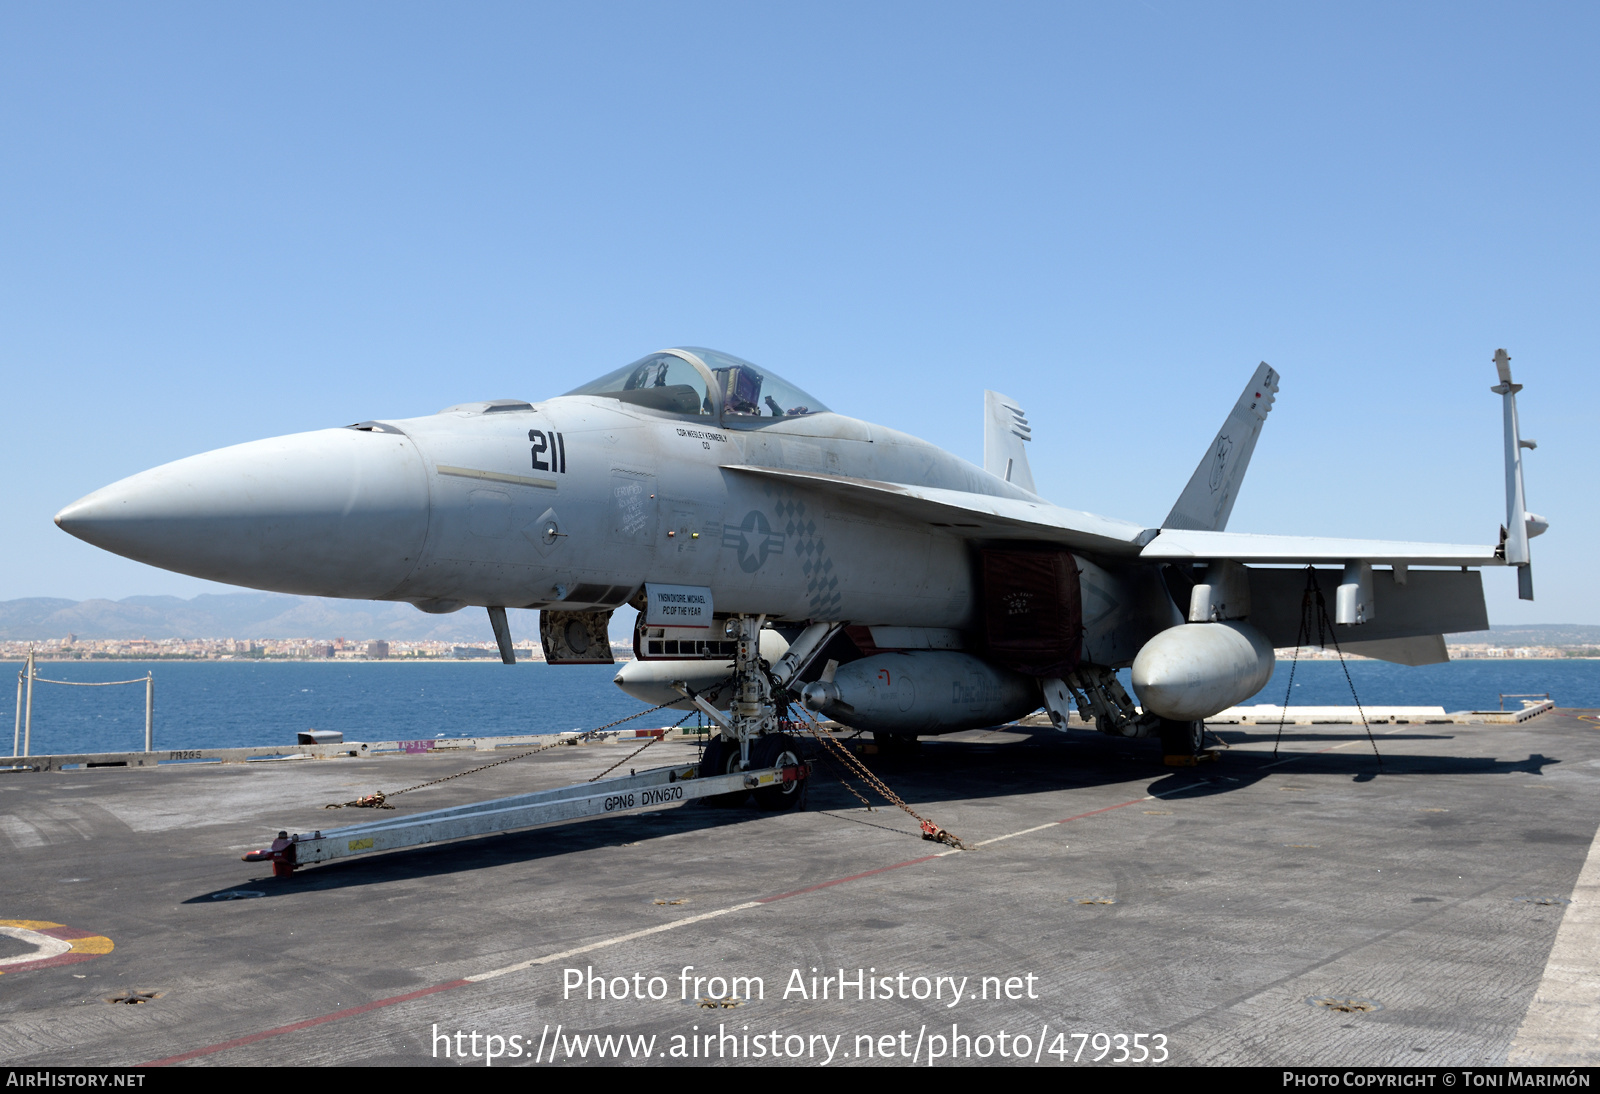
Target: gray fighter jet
{"points": [[782, 555]]}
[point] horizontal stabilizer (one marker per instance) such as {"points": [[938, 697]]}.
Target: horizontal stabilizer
{"points": [[1208, 499], [968, 515], [1427, 649], [1427, 604]]}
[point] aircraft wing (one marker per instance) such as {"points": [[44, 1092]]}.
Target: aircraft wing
{"points": [[1189, 545], [969, 515]]}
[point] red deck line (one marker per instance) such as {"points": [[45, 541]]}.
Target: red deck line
{"points": [[51, 962], [350, 1012], [1105, 809], [842, 880], [68, 934]]}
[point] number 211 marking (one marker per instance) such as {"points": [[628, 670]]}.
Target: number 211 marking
{"points": [[553, 444]]}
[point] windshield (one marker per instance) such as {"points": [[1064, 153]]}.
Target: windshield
{"points": [[751, 392], [660, 381], [665, 381]]}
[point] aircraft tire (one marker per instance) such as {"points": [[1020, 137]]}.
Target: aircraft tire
{"points": [[722, 758], [1180, 738], [776, 750]]}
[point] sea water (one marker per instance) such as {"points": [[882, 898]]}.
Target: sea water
{"points": [[220, 704]]}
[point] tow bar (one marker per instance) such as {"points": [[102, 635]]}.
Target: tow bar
{"points": [[662, 786]]}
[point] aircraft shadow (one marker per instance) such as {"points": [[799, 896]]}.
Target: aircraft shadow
{"points": [[1080, 761], [1235, 737], [938, 771], [1362, 767]]}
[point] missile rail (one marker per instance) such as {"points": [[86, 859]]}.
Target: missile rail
{"points": [[653, 789]]}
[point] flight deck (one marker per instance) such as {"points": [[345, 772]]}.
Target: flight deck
{"points": [[1308, 907]]}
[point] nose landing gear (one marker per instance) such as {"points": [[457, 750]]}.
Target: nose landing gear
{"points": [[751, 736], [722, 758], [782, 751]]}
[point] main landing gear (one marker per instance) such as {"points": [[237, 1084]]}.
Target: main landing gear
{"points": [[1101, 699], [1183, 743]]}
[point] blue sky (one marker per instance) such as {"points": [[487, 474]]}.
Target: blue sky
{"points": [[224, 222]]}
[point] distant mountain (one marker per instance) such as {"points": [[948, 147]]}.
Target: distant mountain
{"points": [[246, 615]]}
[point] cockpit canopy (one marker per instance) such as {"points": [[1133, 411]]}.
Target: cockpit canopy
{"points": [[695, 380]]}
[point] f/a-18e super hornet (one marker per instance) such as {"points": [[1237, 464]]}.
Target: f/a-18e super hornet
{"points": [[781, 553]]}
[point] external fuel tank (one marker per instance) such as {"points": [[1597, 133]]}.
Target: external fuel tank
{"points": [[1192, 671], [922, 691]]}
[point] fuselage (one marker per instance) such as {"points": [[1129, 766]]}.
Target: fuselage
{"points": [[574, 504], [643, 496], [691, 477]]}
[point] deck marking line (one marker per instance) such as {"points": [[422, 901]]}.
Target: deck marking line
{"points": [[46, 946], [1323, 962], [1562, 1026], [1013, 835], [602, 944], [307, 1024], [56, 944], [52, 962], [1331, 748], [852, 877], [1109, 808], [1261, 990]]}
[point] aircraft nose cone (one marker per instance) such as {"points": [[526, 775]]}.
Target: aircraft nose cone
{"points": [[337, 512]]}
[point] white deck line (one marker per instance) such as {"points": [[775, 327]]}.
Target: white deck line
{"points": [[607, 942], [1562, 1026], [44, 945]]}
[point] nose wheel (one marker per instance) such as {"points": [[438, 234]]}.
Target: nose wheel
{"points": [[722, 758], [774, 750], [777, 750], [750, 739]]}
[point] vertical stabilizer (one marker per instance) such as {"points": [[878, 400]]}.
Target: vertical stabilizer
{"points": [[1207, 501], [1005, 430]]}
